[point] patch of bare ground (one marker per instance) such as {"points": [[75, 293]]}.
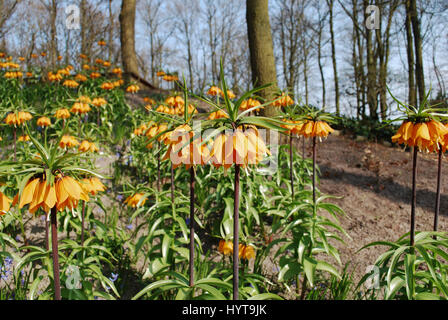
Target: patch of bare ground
{"points": [[374, 183]]}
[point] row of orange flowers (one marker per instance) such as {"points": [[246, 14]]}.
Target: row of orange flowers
{"points": [[64, 193]]}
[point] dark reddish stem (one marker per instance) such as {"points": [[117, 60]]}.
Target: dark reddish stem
{"points": [[15, 143], [46, 233], [439, 182], [236, 208], [414, 197], [54, 248], [192, 184], [172, 183], [314, 170], [158, 169], [303, 147], [82, 222], [291, 166]]}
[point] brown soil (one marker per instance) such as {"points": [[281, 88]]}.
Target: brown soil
{"points": [[374, 183]]}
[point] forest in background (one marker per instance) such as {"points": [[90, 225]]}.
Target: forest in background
{"points": [[325, 54]]}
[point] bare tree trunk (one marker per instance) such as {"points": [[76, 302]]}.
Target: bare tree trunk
{"points": [[111, 31], [83, 11], [333, 57], [261, 50], [321, 69], [412, 94], [127, 38], [53, 41], [419, 75]]}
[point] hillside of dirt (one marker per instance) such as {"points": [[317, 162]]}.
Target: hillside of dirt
{"points": [[374, 183]]}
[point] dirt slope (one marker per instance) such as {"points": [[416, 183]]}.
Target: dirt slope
{"points": [[374, 182]]}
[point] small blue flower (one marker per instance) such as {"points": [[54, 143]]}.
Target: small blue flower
{"points": [[187, 221], [130, 227], [118, 154], [128, 142], [120, 197], [113, 277], [17, 238], [8, 261]]}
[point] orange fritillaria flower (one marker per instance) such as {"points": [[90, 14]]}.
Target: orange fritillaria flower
{"points": [[225, 247], [160, 73], [81, 77], [230, 94], [312, 128], [99, 102], [44, 122], [80, 108], [283, 101], [68, 142], [95, 75], [133, 88], [214, 91], [292, 127], [84, 99], [249, 104], [24, 138], [117, 71], [107, 86], [218, 115], [248, 253], [92, 185], [18, 118], [70, 84], [182, 150], [5, 204], [133, 200], [88, 146], [64, 193], [242, 148], [62, 113], [427, 136]]}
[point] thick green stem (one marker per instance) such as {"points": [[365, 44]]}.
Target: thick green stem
{"points": [[15, 144], [236, 233], [47, 225], [291, 160], [54, 248], [439, 182], [314, 172], [192, 184], [413, 198], [158, 169], [172, 184], [82, 222]]}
